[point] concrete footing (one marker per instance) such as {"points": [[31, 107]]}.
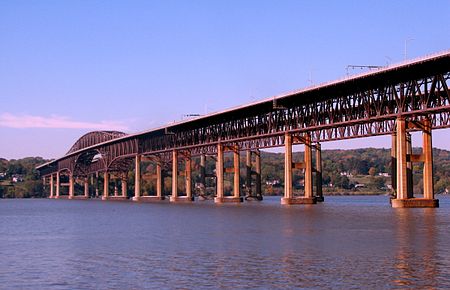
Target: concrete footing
{"points": [[299, 200], [320, 199], [105, 197], [79, 197], [117, 198], [62, 197], [228, 199], [253, 198], [151, 198], [414, 202], [181, 199]]}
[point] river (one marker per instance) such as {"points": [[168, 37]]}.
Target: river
{"points": [[346, 242]]}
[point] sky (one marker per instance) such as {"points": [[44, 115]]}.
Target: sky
{"points": [[70, 67]]}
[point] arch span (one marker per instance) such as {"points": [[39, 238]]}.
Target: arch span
{"points": [[94, 137]]}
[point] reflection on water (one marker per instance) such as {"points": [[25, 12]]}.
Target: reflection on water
{"points": [[347, 242]]}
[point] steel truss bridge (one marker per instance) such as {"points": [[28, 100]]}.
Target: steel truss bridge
{"points": [[412, 96]]}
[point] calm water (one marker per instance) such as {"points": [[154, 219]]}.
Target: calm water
{"points": [[344, 243]]}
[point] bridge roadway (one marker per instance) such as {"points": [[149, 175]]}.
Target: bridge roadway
{"points": [[396, 100]]}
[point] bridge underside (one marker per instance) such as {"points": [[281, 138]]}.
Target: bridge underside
{"points": [[393, 101]]}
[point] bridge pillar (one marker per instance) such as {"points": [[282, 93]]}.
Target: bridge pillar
{"points": [[124, 185], [137, 178], [427, 151], [308, 197], [188, 177], [248, 175], [174, 196], [51, 186], [219, 175], [404, 194], [159, 181], [319, 192], [187, 181], [394, 165], [96, 185], [258, 174], [203, 175], [71, 186], [308, 167], [253, 195], [235, 198], [116, 189], [86, 187], [409, 166], [236, 173], [58, 185], [287, 168], [105, 185]]}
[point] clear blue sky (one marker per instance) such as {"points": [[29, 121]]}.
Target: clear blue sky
{"points": [[69, 67]]}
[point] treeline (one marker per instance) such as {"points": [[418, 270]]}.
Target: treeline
{"points": [[343, 170], [19, 178]]}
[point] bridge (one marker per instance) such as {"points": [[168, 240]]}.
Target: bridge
{"points": [[395, 100]]}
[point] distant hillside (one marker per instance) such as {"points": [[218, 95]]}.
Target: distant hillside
{"points": [[359, 171]]}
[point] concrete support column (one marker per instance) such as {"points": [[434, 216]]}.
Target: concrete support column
{"points": [[124, 185], [308, 167], [105, 185], [58, 184], [258, 174], [236, 175], [159, 182], [409, 166], [319, 192], [402, 182], [404, 194], [174, 174], [116, 189], [96, 184], [51, 186], [219, 171], [203, 175], [71, 186], [427, 151], [394, 164], [188, 177], [248, 171], [137, 178], [86, 187], [288, 166]]}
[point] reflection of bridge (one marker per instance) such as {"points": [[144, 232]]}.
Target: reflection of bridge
{"points": [[412, 96]]}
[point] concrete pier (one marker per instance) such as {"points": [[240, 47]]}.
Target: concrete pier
{"points": [[203, 175], [71, 186], [405, 196], [124, 185], [308, 197], [105, 186], [319, 192], [250, 194], [58, 185], [137, 178], [51, 186], [220, 197], [86, 187], [258, 188]]}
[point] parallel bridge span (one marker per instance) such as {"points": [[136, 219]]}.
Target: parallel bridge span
{"points": [[412, 96]]}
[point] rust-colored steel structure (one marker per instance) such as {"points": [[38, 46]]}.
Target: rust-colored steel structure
{"points": [[368, 104]]}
